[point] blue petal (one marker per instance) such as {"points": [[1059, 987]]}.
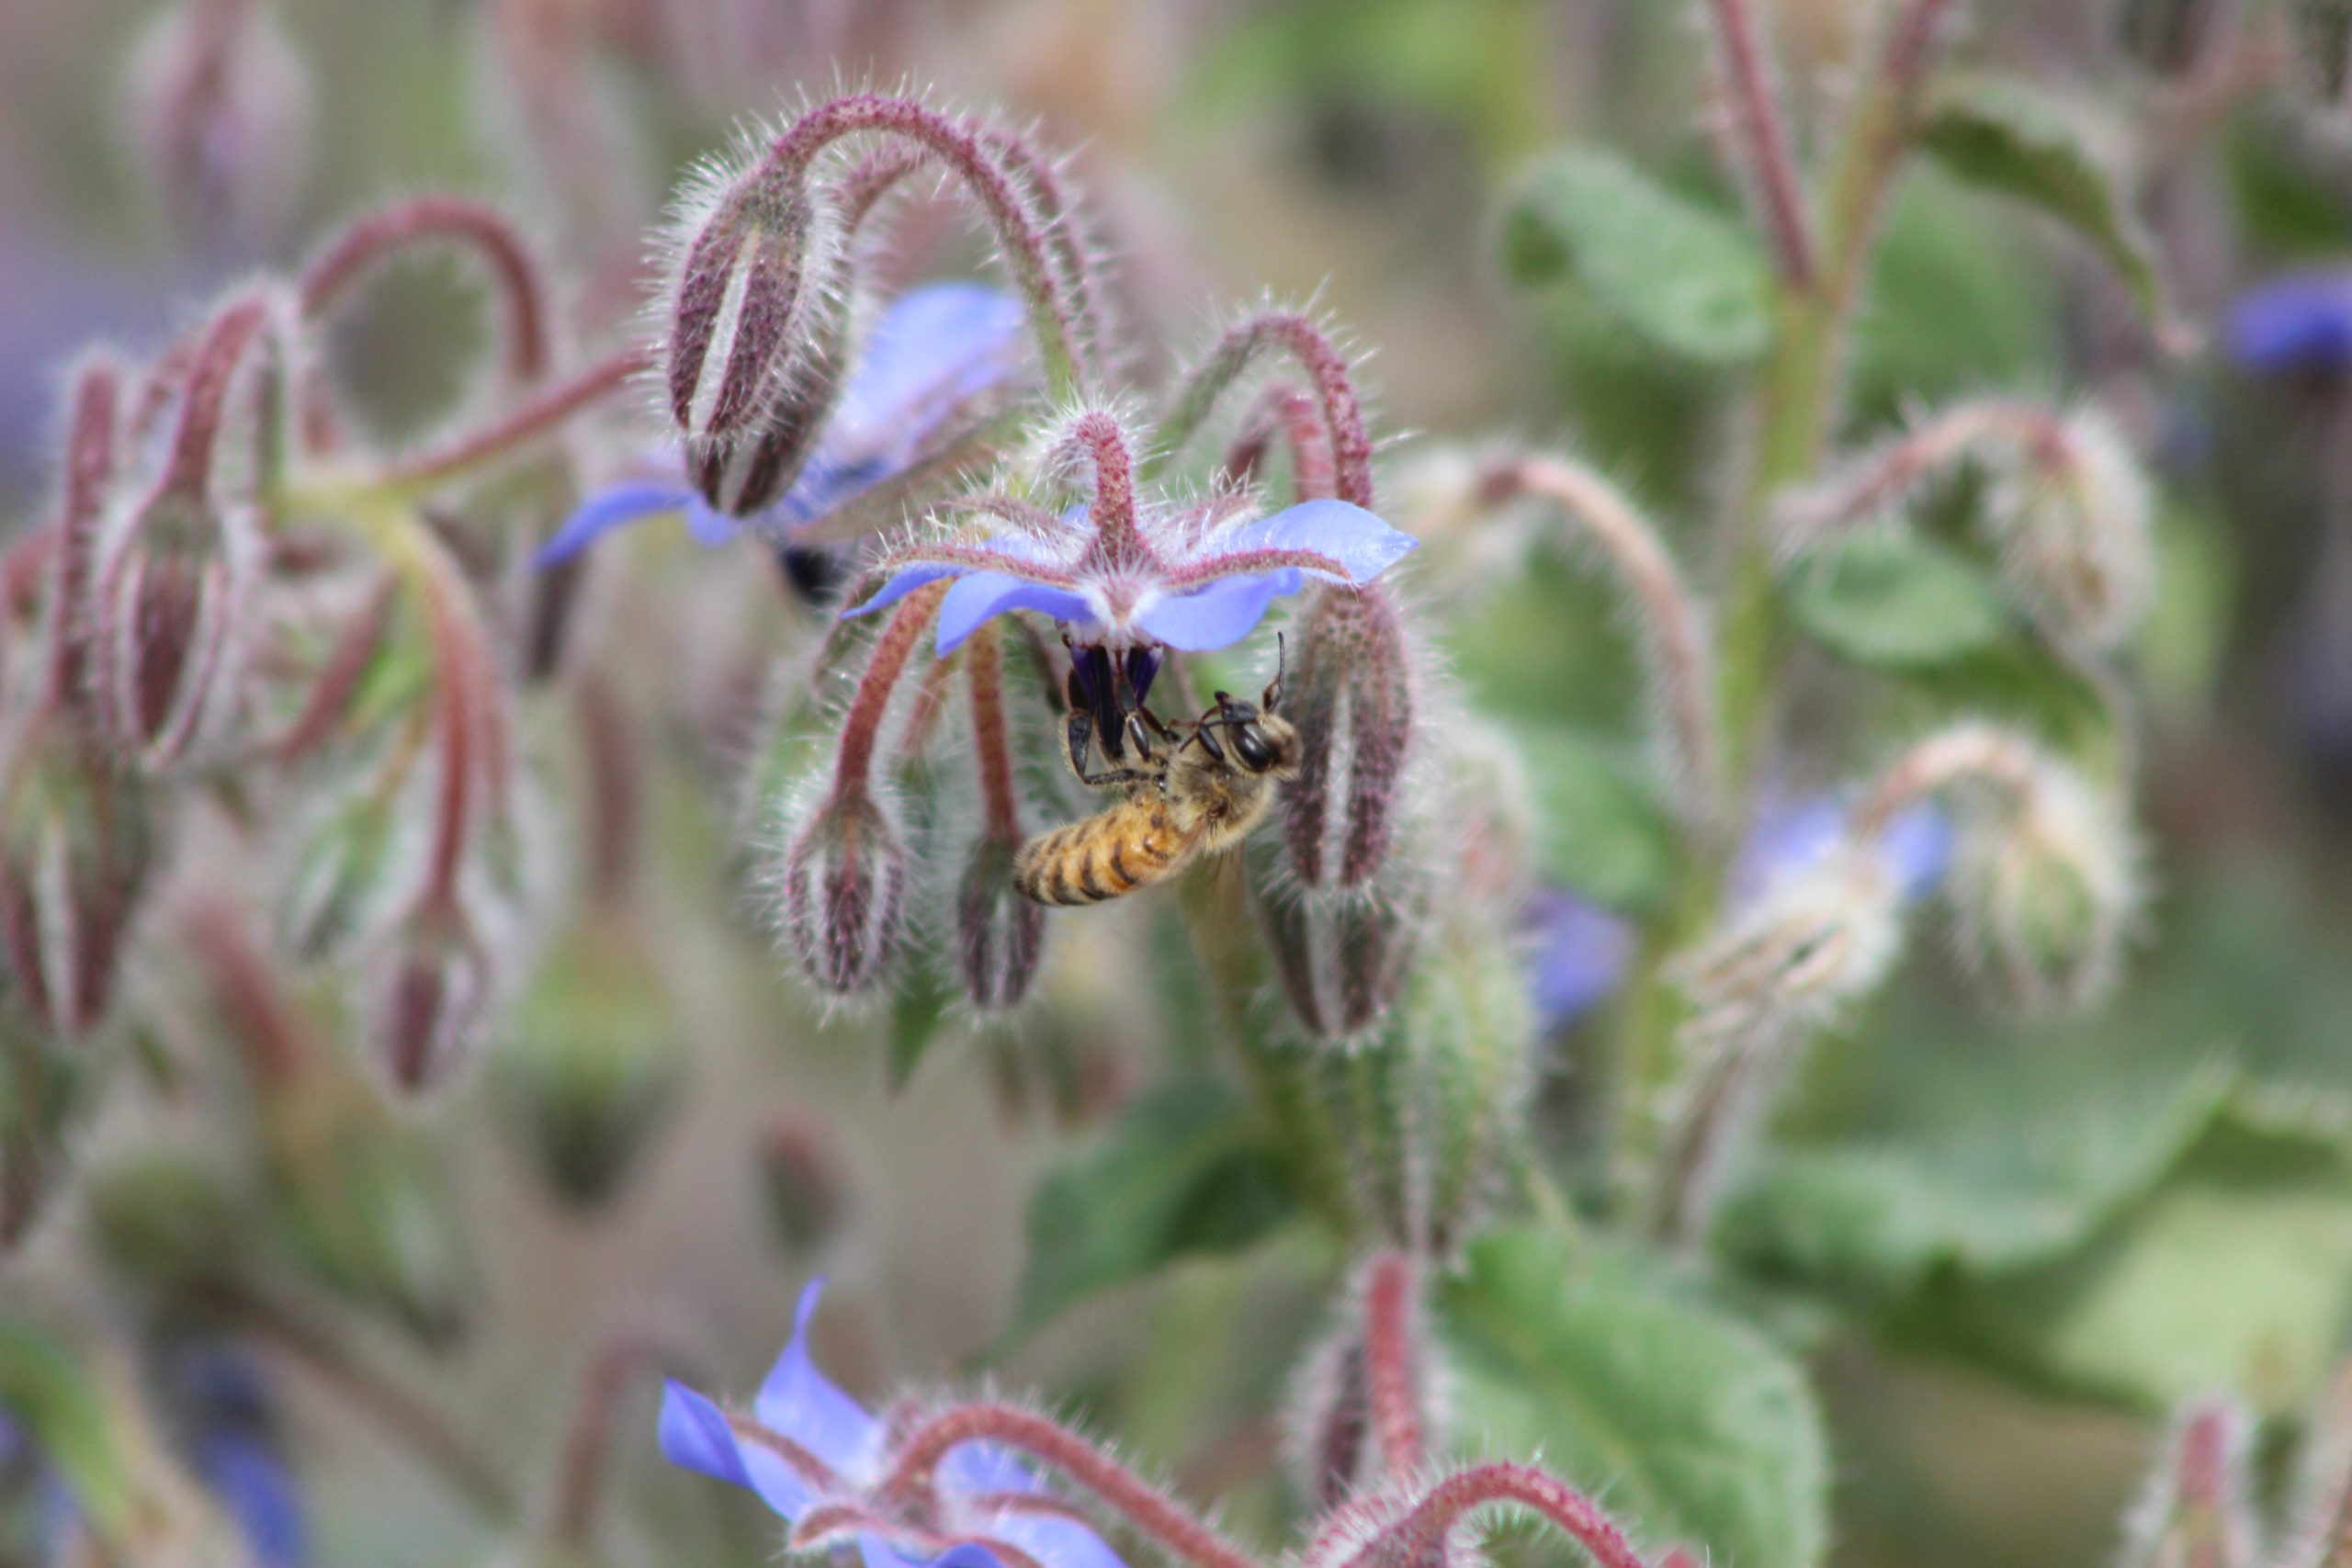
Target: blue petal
{"points": [[1054, 1540], [879, 1552], [981, 594], [708, 526], [697, 1435], [256, 1488], [1580, 954], [905, 581], [1362, 545], [803, 1403], [2300, 322], [1219, 614], [607, 510], [933, 347], [975, 1467], [1918, 842], [1789, 838]]}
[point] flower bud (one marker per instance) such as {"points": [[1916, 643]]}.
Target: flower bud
{"points": [[1349, 690], [220, 110], [2194, 1513], [843, 893], [76, 849], [432, 993], [1327, 1432], [747, 473], [170, 618], [999, 934], [589, 1066], [2070, 511], [749, 299], [1342, 957], [800, 1176], [2044, 889]]}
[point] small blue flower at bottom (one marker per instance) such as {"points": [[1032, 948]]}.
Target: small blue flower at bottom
{"points": [[936, 349], [808, 1443]]}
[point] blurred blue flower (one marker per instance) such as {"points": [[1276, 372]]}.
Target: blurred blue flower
{"points": [[807, 1443], [2298, 322], [1579, 951], [935, 348], [1186, 580], [228, 1432]]}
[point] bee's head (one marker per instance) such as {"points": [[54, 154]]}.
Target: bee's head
{"points": [[1256, 740]]}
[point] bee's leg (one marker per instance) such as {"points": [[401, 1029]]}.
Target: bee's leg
{"points": [[1078, 733], [1159, 730], [1204, 732]]}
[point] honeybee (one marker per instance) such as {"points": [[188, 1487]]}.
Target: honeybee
{"points": [[1200, 795]]}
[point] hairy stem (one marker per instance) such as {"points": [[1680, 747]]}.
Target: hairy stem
{"points": [[870, 704], [1393, 1362], [444, 219], [1762, 134], [1326, 367], [534, 419]]}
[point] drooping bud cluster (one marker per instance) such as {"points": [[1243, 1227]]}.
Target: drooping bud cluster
{"points": [[2067, 510]]}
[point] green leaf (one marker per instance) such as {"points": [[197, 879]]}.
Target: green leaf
{"points": [[1183, 1172], [1602, 832], [1691, 1428], [65, 1411], [2004, 136], [1687, 279], [1896, 600]]}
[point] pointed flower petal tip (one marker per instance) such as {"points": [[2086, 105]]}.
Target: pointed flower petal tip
{"points": [[979, 596], [1362, 544], [617, 506], [696, 1436]]}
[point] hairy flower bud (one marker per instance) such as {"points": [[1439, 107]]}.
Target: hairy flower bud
{"points": [[431, 994], [220, 110], [1327, 1436], [2195, 1513], [1351, 691], [1342, 957], [170, 611], [2045, 886], [843, 893], [999, 934], [2070, 512], [76, 849], [800, 1177], [587, 1067], [1811, 947], [1364, 1405], [748, 298]]}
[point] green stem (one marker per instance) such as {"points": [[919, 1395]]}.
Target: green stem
{"points": [[1796, 399]]}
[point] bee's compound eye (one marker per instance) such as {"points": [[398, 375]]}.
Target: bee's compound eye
{"points": [[1250, 743]]}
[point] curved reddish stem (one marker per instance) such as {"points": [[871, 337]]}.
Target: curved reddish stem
{"points": [[536, 416], [1327, 369], [983, 675], [1113, 512], [1393, 1362], [862, 726], [91, 439], [1763, 136], [1142, 1504], [457, 220], [1289, 411], [204, 397], [1422, 1532]]}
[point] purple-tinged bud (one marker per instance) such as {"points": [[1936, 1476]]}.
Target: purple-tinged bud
{"points": [[1342, 957], [432, 993], [174, 592], [76, 849], [751, 294], [999, 934], [1349, 690], [1364, 1407], [800, 1177], [588, 1067], [220, 110], [2194, 1512], [843, 893], [1328, 1433]]}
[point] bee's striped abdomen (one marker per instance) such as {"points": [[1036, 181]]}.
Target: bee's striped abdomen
{"points": [[1112, 852]]}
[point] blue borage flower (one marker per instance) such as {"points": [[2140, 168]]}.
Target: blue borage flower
{"points": [[936, 349], [1193, 578], [1579, 951], [807, 1445], [2298, 323]]}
